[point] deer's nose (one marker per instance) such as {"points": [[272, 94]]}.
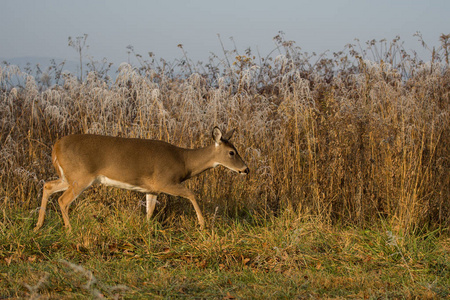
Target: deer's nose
{"points": [[246, 171]]}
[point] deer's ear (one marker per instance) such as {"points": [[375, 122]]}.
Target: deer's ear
{"points": [[228, 135], [217, 135]]}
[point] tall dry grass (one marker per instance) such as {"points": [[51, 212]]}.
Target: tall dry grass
{"points": [[357, 137]]}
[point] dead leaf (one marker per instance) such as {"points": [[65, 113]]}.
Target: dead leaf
{"points": [[367, 259], [113, 248], [202, 264], [228, 296], [244, 260], [8, 260]]}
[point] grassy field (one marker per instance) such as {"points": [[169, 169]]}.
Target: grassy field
{"points": [[114, 253], [348, 195]]}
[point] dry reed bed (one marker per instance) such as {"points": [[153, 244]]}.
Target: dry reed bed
{"points": [[362, 144]]}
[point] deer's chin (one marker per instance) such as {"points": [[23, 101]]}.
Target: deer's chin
{"points": [[244, 172]]}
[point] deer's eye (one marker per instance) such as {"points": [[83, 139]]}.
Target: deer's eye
{"points": [[232, 153]]}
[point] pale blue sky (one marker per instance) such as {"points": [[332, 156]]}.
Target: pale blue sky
{"points": [[41, 28]]}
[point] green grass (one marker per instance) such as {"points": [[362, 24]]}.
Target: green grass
{"points": [[116, 253]]}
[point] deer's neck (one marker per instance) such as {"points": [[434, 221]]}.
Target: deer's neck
{"points": [[199, 160]]}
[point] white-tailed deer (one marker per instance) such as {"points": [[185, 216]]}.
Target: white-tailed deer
{"points": [[146, 166]]}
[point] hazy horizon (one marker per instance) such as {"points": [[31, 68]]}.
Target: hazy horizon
{"points": [[41, 29]]}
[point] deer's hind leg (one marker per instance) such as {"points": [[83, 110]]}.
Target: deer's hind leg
{"points": [[50, 188], [71, 193]]}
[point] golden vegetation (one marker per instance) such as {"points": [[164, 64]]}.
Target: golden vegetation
{"points": [[345, 141]]}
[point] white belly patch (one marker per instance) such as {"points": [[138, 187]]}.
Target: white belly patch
{"points": [[118, 184]]}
